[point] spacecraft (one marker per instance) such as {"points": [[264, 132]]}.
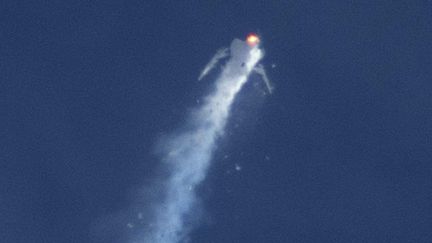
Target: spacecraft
{"points": [[240, 52]]}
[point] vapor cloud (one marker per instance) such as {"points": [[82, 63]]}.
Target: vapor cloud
{"points": [[187, 153]]}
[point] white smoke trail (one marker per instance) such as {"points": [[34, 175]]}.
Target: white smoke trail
{"points": [[188, 153]]}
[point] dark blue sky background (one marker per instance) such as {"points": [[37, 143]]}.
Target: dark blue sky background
{"points": [[340, 153]]}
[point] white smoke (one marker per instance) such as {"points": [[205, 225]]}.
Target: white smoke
{"points": [[187, 154]]}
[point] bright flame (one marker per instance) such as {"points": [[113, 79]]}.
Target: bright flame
{"points": [[252, 40]]}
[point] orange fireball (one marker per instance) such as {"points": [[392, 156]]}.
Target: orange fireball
{"points": [[252, 40]]}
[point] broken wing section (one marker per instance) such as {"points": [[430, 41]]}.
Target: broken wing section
{"points": [[220, 54], [259, 69]]}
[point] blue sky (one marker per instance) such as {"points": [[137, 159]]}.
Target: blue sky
{"points": [[341, 152]]}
